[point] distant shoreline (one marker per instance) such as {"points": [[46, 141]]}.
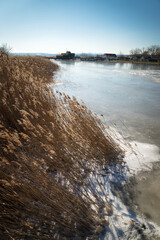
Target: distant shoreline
{"points": [[111, 61], [153, 63], [122, 61]]}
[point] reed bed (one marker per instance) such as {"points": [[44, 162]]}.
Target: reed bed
{"points": [[52, 150]]}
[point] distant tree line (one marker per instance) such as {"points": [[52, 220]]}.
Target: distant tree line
{"points": [[153, 51]]}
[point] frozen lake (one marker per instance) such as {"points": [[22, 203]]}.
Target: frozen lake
{"points": [[128, 95]]}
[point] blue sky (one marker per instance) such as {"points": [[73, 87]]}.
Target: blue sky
{"points": [[53, 26]]}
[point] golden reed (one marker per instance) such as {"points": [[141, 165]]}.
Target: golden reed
{"points": [[51, 151]]}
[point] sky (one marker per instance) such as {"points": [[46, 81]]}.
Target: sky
{"points": [[80, 26]]}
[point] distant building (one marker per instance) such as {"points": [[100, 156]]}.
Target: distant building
{"points": [[124, 58], [110, 56], [66, 56], [99, 58]]}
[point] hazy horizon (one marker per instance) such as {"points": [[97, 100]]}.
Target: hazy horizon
{"points": [[81, 26]]}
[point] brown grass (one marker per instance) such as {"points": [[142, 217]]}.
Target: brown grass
{"points": [[51, 150]]}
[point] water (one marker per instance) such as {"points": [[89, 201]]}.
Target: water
{"points": [[148, 194], [128, 95]]}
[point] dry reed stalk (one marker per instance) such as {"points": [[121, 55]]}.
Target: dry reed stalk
{"points": [[52, 150]]}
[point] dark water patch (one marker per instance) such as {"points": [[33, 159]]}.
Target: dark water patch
{"points": [[142, 193]]}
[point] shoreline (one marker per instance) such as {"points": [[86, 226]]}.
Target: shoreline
{"points": [[105, 61]]}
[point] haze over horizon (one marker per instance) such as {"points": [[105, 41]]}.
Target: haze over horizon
{"points": [[95, 26]]}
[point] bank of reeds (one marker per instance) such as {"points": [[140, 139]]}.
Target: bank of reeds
{"points": [[51, 152]]}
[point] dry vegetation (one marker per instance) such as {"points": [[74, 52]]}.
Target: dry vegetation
{"points": [[51, 152]]}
